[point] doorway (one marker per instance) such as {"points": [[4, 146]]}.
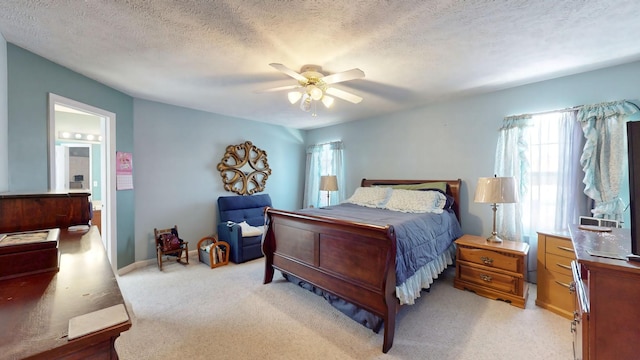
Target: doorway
{"points": [[79, 134], [74, 164]]}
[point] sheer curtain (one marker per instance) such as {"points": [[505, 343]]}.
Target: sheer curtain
{"points": [[543, 153], [604, 159], [323, 159], [512, 160]]}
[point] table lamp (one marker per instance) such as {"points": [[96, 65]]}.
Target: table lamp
{"points": [[328, 183], [496, 190]]}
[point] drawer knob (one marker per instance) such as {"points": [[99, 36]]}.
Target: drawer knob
{"points": [[486, 278], [486, 260]]}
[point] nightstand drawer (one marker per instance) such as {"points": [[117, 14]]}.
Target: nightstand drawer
{"points": [[495, 281], [560, 246], [488, 258], [558, 264]]}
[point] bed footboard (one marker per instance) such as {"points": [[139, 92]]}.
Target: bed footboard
{"points": [[351, 260]]}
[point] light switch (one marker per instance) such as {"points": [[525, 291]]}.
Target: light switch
{"points": [[95, 184]]}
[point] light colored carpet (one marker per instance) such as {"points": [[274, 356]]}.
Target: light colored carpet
{"points": [[194, 312]]}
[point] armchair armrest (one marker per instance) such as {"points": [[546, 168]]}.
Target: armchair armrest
{"points": [[228, 231], [231, 233]]}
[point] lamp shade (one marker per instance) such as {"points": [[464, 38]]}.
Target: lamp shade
{"points": [[329, 183], [327, 101], [496, 190], [315, 92], [294, 96]]}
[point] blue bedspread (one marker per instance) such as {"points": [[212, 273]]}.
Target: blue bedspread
{"points": [[420, 238]]}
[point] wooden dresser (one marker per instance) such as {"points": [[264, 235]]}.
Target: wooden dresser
{"points": [[34, 211], [607, 312], [36, 308], [555, 253], [493, 270]]}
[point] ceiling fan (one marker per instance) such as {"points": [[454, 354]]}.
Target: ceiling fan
{"points": [[313, 85]]}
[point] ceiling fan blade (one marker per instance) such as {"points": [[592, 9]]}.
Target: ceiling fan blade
{"points": [[279, 88], [344, 95], [343, 76], [289, 72]]}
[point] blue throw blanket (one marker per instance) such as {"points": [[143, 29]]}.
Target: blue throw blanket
{"points": [[420, 238]]}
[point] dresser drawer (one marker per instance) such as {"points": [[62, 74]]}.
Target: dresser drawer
{"points": [[558, 291], [560, 246], [488, 258], [484, 277], [558, 264]]}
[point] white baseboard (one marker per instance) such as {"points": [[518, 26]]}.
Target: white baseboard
{"points": [[193, 254]]}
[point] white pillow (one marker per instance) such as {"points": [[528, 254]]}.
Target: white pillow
{"points": [[370, 196], [412, 201], [249, 231]]}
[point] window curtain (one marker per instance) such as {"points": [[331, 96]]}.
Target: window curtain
{"points": [[543, 153], [570, 197], [323, 159], [512, 160], [604, 157]]}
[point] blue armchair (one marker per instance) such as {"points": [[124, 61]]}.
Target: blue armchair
{"points": [[234, 210]]}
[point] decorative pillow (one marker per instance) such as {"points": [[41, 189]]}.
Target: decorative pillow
{"points": [[411, 201], [249, 231], [370, 196], [449, 199], [436, 185], [169, 242]]}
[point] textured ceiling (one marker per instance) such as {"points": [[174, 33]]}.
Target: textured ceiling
{"points": [[214, 55]]}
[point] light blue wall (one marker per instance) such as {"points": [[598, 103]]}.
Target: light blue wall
{"points": [[176, 149], [30, 79], [176, 182], [4, 115], [457, 139], [175, 154]]}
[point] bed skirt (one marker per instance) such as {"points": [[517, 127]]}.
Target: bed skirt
{"points": [[409, 291], [406, 292]]}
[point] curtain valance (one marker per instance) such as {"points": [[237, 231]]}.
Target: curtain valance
{"points": [[606, 109], [334, 145]]}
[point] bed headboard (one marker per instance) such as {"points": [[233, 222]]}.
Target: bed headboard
{"points": [[453, 188]]}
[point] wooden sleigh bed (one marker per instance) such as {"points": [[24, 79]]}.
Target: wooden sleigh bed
{"points": [[352, 260]]}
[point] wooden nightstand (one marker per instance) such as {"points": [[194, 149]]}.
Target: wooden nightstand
{"points": [[493, 270]]}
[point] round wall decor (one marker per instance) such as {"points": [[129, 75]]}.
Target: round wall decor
{"points": [[244, 169]]}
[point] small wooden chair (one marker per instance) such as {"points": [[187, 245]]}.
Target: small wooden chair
{"points": [[183, 249]]}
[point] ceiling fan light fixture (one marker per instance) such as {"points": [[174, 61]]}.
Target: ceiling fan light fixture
{"points": [[313, 86], [327, 101], [305, 104], [315, 92], [294, 96]]}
